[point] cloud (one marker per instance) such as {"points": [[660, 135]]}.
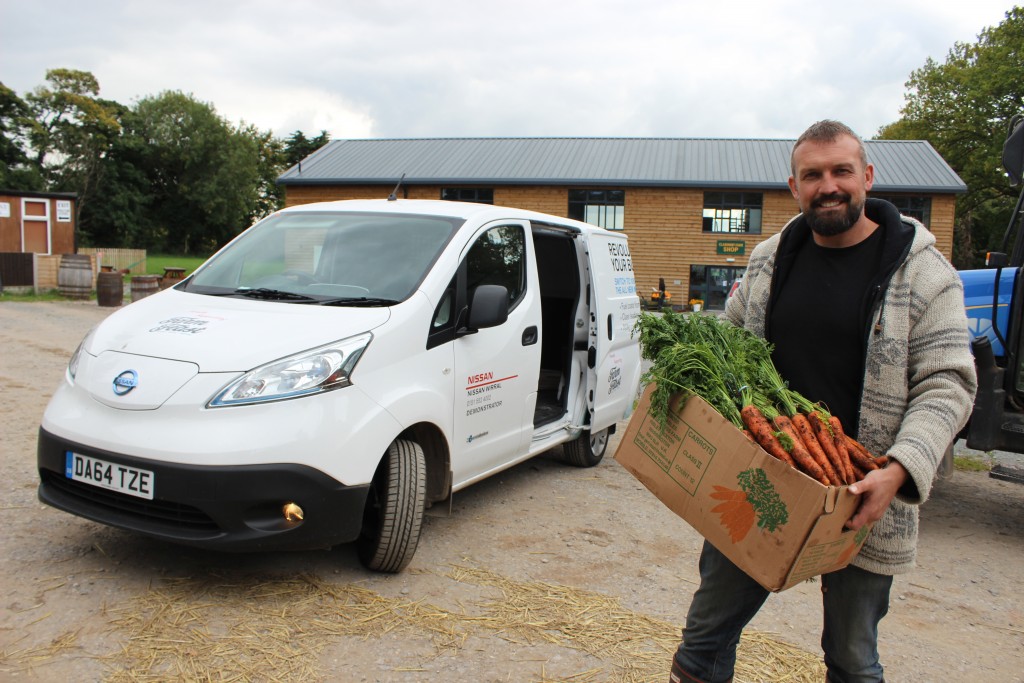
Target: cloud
{"points": [[398, 68]]}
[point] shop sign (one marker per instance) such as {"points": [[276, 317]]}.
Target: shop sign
{"points": [[731, 247]]}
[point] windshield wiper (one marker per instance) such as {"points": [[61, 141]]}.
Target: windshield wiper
{"points": [[272, 294], [359, 301]]}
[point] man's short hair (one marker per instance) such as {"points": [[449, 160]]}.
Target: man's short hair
{"points": [[827, 131]]}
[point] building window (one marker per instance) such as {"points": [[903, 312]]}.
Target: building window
{"points": [[909, 205], [732, 212], [710, 284], [603, 208], [480, 195]]}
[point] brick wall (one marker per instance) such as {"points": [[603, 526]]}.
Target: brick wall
{"points": [[664, 224]]}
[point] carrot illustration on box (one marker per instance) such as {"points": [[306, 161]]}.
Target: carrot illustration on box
{"points": [[755, 500], [852, 548]]}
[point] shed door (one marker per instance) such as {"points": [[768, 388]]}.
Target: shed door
{"points": [[35, 226]]}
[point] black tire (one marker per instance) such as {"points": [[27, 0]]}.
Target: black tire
{"points": [[394, 508], [587, 449]]}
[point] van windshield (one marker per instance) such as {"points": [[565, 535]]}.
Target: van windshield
{"points": [[328, 258]]}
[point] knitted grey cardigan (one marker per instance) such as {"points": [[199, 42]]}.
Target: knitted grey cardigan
{"points": [[919, 380]]}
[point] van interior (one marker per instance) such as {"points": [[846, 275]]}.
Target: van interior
{"points": [[559, 274]]}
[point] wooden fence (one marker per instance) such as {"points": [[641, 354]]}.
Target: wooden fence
{"points": [[130, 260]]}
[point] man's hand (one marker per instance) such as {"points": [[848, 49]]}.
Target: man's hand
{"points": [[879, 487]]}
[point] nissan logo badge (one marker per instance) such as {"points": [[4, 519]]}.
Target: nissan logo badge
{"points": [[125, 382]]}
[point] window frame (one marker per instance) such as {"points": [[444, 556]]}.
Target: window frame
{"points": [[581, 201], [720, 202], [468, 194], [899, 200]]}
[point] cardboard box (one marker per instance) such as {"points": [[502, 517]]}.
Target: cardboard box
{"points": [[774, 522]]}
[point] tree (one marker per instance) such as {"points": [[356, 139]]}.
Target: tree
{"points": [[271, 162], [962, 107], [203, 173], [297, 146], [125, 216], [16, 171], [71, 131]]}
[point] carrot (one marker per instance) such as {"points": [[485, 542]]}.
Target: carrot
{"points": [[819, 425], [881, 460], [859, 455], [803, 428], [858, 472], [798, 451], [758, 425], [839, 440]]}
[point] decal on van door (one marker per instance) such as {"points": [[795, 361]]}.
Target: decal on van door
{"points": [[629, 311], [622, 262], [483, 392]]}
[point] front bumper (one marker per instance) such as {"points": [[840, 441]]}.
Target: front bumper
{"points": [[233, 507]]}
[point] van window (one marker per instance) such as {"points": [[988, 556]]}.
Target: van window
{"points": [[327, 256], [498, 257]]}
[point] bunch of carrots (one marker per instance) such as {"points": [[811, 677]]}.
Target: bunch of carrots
{"points": [[732, 370]]}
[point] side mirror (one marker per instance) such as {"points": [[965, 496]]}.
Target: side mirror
{"points": [[488, 308]]}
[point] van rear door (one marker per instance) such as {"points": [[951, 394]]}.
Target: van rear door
{"points": [[613, 356]]}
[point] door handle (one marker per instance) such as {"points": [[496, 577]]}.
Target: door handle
{"points": [[530, 335]]}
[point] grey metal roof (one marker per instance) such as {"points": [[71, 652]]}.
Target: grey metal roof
{"points": [[900, 165]]}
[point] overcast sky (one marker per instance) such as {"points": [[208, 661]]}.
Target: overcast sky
{"points": [[461, 68]]}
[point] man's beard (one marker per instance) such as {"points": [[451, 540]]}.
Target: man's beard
{"points": [[833, 223]]}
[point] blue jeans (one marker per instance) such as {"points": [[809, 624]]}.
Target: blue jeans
{"points": [[854, 602]]}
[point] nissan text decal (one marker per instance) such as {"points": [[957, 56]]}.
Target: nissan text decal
{"points": [[483, 392]]}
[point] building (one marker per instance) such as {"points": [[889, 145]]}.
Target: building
{"points": [[37, 222], [35, 229], [693, 208]]}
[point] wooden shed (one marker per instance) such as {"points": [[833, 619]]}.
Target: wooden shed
{"points": [[35, 229]]}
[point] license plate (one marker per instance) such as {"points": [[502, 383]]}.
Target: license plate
{"points": [[108, 475]]}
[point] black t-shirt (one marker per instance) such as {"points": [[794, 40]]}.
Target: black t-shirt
{"points": [[818, 321]]}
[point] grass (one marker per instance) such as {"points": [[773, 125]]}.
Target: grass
{"points": [[155, 263], [50, 295], [973, 463]]}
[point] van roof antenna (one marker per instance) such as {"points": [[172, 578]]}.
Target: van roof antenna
{"points": [[394, 193]]}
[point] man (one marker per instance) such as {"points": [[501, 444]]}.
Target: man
{"points": [[867, 317]]}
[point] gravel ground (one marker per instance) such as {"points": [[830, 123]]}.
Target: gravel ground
{"points": [[79, 601]]}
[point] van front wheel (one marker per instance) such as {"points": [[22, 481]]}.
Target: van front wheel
{"points": [[587, 449], [394, 509]]}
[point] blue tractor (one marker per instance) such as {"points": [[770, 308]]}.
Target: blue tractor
{"points": [[994, 298]]}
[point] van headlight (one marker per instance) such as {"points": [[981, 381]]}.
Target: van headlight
{"points": [[309, 372], [76, 357]]}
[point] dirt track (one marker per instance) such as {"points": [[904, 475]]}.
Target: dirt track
{"points": [[79, 601]]}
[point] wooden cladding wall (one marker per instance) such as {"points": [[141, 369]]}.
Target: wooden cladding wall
{"points": [[664, 224], [42, 226]]}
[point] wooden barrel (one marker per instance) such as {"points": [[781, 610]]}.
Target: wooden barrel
{"points": [[144, 285], [109, 289], [74, 276]]}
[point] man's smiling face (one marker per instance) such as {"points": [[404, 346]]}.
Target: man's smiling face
{"points": [[830, 183]]}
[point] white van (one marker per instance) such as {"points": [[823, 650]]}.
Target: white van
{"points": [[338, 368]]}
